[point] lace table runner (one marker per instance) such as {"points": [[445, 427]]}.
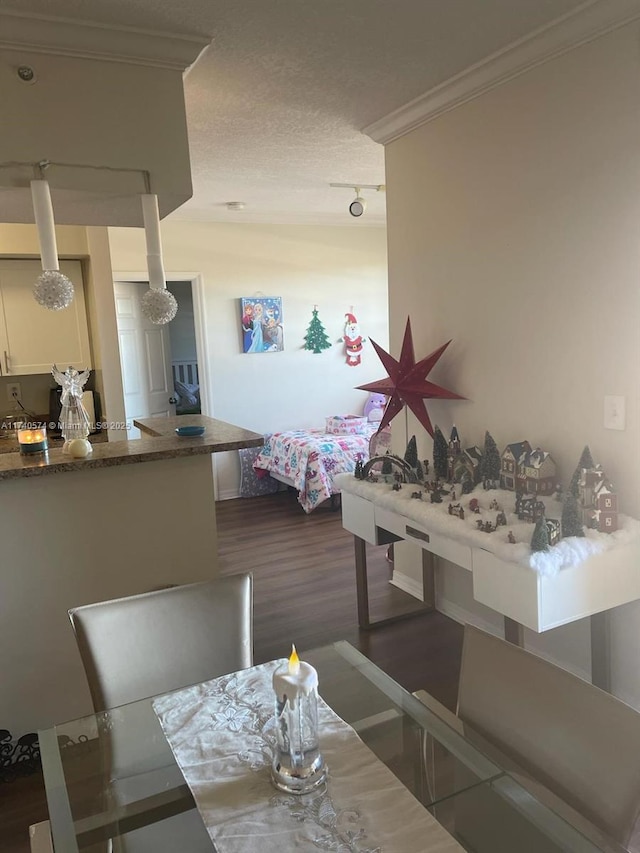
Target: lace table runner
{"points": [[221, 733]]}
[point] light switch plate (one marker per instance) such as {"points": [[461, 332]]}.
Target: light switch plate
{"points": [[614, 412]]}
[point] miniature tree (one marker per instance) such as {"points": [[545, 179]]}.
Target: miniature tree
{"points": [[411, 453], [387, 468], [419, 471], [316, 338], [540, 538], [490, 464], [571, 521], [440, 454], [586, 461]]}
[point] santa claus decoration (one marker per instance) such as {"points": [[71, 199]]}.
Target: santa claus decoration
{"points": [[353, 340]]}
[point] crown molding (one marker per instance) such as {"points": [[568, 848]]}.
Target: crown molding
{"points": [[88, 40], [586, 23]]}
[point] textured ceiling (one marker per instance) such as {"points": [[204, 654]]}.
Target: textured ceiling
{"points": [[276, 104]]}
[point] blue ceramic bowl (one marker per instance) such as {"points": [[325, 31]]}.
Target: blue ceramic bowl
{"points": [[190, 430]]}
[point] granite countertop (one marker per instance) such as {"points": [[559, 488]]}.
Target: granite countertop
{"points": [[164, 444], [226, 436], [9, 441]]}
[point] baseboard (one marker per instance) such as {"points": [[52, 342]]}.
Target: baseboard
{"points": [[463, 616], [227, 495], [407, 584]]}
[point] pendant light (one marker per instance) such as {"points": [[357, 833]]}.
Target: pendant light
{"points": [[52, 289], [158, 304]]}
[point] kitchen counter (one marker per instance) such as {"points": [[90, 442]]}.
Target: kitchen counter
{"points": [[162, 443], [220, 434], [108, 528]]}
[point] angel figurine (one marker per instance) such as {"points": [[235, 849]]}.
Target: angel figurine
{"points": [[74, 420]]}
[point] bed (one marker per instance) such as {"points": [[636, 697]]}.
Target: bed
{"points": [[186, 386], [309, 459]]}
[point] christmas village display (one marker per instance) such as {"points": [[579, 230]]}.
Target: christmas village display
{"points": [[516, 492], [514, 495]]}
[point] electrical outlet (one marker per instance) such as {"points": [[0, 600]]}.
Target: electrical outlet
{"points": [[14, 391]]}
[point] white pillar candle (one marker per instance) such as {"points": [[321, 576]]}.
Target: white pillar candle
{"points": [[151, 219], [43, 211], [293, 679], [298, 766]]}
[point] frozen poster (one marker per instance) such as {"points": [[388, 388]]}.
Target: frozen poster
{"points": [[262, 324]]}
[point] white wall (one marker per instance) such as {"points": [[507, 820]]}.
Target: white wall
{"points": [[335, 268], [514, 228]]}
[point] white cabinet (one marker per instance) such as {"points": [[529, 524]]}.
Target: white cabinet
{"points": [[32, 338]]}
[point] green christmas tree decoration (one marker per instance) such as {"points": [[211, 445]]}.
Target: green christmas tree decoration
{"points": [[316, 338], [586, 461], [491, 463], [571, 521], [411, 453], [540, 538], [387, 467], [419, 471], [440, 454]]}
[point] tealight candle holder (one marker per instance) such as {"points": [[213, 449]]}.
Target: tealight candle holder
{"points": [[32, 439], [298, 766]]}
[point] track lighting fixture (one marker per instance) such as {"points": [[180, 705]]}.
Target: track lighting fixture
{"points": [[359, 205]]}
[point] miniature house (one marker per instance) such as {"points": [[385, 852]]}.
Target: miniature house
{"points": [[598, 500], [529, 508], [468, 462], [511, 460], [537, 473]]}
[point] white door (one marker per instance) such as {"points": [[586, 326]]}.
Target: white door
{"points": [[145, 358]]}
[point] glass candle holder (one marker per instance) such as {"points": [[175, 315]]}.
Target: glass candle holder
{"points": [[32, 439], [298, 765]]}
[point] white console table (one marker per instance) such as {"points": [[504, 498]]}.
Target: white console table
{"points": [[524, 597]]}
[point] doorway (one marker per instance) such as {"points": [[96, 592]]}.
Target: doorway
{"points": [[161, 365]]}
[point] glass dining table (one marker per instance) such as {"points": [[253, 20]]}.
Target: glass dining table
{"points": [[485, 807]]}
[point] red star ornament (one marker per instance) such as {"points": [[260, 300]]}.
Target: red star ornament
{"points": [[406, 383]]}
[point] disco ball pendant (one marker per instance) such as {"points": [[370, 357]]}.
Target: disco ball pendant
{"points": [[159, 305], [53, 290]]}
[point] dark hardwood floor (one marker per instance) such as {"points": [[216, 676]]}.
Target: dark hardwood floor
{"points": [[304, 593]]}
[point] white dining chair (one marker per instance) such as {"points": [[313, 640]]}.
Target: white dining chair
{"points": [[151, 643], [144, 645], [562, 734]]}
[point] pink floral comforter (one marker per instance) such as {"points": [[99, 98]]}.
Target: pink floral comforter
{"points": [[310, 458]]}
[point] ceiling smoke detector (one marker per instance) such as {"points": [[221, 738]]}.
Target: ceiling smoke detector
{"points": [[26, 74], [235, 205]]}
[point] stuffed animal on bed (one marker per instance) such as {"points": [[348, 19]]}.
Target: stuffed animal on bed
{"points": [[374, 407]]}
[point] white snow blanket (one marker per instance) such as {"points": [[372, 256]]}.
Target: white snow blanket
{"points": [[568, 552]]}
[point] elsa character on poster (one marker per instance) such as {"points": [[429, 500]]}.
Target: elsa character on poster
{"points": [[257, 341]]}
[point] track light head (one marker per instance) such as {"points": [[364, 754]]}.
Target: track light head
{"points": [[358, 205]]}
